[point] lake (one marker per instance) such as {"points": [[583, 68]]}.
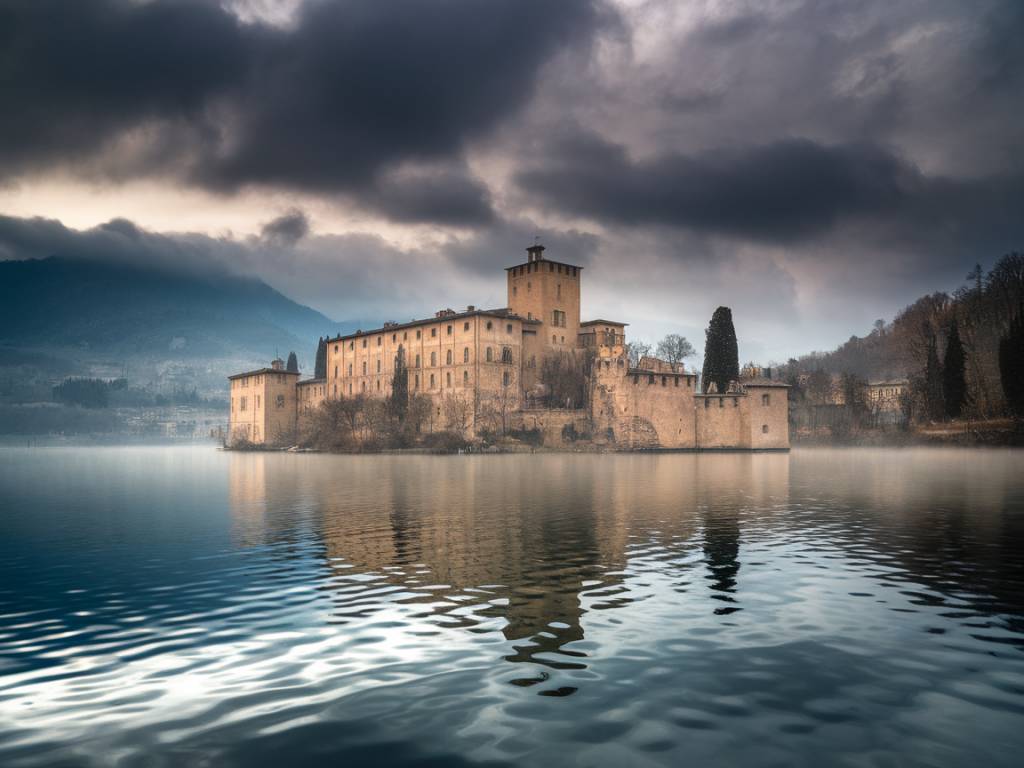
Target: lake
{"points": [[186, 606]]}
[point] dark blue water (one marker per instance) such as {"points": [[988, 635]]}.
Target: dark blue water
{"points": [[182, 606]]}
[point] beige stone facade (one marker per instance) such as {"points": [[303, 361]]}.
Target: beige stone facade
{"points": [[262, 405], [481, 356]]}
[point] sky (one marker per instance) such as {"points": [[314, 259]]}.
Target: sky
{"points": [[813, 165]]}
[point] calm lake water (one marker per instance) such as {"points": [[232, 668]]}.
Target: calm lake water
{"points": [[183, 606]]}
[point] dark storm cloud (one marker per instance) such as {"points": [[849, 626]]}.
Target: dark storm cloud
{"points": [[785, 192], [335, 103], [781, 191], [286, 229]]}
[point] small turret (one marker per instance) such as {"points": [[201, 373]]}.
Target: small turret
{"points": [[535, 253]]}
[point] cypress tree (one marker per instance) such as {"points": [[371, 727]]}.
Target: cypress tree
{"points": [[320, 368], [1011, 364], [400, 387], [933, 383], [954, 382], [292, 366], [721, 353]]}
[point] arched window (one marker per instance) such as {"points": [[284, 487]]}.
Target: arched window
{"points": [[465, 378], [417, 361], [416, 384], [433, 359], [378, 366], [490, 355], [448, 357], [465, 355], [431, 381], [506, 378], [449, 378], [506, 354]]}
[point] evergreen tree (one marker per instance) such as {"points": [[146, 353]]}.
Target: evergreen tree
{"points": [[933, 382], [320, 367], [399, 402], [954, 381], [293, 363], [721, 354], [1011, 364]]}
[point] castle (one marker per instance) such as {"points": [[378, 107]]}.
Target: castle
{"points": [[490, 360]]}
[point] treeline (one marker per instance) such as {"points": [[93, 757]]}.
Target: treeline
{"points": [[963, 353], [116, 393]]}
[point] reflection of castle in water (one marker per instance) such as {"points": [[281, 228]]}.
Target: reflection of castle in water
{"points": [[535, 544]]}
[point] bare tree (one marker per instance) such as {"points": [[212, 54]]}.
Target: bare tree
{"points": [[675, 348], [458, 413], [636, 350]]}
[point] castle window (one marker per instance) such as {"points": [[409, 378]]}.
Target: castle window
{"points": [[563, 339], [336, 371], [508, 328], [489, 325], [280, 401], [650, 379], [465, 378], [349, 388], [506, 354], [335, 349], [558, 288], [448, 378], [431, 381], [364, 343], [257, 402], [449, 330], [506, 378], [664, 381], [378, 385], [764, 429], [394, 338], [364, 367], [364, 386], [433, 360], [417, 361], [349, 370], [241, 404], [417, 333], [351, 345], [448, 357], [551, 266], [465, 326], [378, 365], [515, 290], [766, 399], [465, 355], [433, 333], [533, 361], [490, 355], [528, 286], [416, 379], [559, 269], [554, 339], [405, 335], [380, 340]]}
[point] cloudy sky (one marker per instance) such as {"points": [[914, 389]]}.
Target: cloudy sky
{"points": [[813, 165]]}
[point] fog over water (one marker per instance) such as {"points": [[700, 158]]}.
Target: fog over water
{"points": [[173, 605]]}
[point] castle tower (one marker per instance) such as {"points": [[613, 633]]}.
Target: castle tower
{"points": [[549, 292]]}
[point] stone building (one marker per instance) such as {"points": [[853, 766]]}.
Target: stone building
{"points": [[493, 358], [263, 405]]}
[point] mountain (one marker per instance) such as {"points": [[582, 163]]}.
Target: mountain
{"points": [[90, 309]]}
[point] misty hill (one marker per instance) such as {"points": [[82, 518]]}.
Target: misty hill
{"points": [[130, 312]]}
